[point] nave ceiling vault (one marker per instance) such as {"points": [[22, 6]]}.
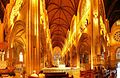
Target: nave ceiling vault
{"points": [[60, 13]]}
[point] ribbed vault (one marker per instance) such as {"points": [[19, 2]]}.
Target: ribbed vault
{"points": [[60, 13], [112, 9]]}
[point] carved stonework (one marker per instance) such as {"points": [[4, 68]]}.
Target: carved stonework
{"points": [[84, 44], [97, 45], [101, 9], [17, 40], [84, 51], [74, 57]]}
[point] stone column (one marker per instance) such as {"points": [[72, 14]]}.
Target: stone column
{"points": [[71, 50], [78, 60], [1, 32], [95, 39], [33, 37]]}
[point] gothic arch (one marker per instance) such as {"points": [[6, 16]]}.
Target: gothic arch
{"points": [[84, 43], [18, 32], [74, 56], [84, 48], [17, 41]]}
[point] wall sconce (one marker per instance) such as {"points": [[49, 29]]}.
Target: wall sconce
{"points": [[86, 22], [95, 15], [102, 31]]}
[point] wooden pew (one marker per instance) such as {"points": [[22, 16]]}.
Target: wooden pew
{"points": [[56, 75]]}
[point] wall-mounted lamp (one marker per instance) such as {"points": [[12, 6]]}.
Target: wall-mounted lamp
{"points": [[95, 15], [86, 22]]}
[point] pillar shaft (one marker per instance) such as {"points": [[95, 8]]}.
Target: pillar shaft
{"points": [[33, 38], [95, 39]]}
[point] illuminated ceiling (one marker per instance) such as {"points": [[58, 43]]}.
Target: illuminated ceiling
{"points": [[60, 13]]}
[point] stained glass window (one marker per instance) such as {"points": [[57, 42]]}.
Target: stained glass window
{"points": [[117, 36]]}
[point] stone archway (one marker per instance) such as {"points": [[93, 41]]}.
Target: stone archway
{"points": [[73, 56], [84, 51], [17, 41]]}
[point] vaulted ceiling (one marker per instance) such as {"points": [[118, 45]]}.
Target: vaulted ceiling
{"points": [[112, 9], [60, 13]]}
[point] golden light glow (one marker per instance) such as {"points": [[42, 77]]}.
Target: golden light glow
{"points": [[103, 30], [95, 20], [45, 24], [108, 40], [61, 66], [77, 27], [84, 27], [41, 7], [12, 45], [35, 6], [15, 10], [118, 23], [21, 57], [8, 54], [92, 62]]}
